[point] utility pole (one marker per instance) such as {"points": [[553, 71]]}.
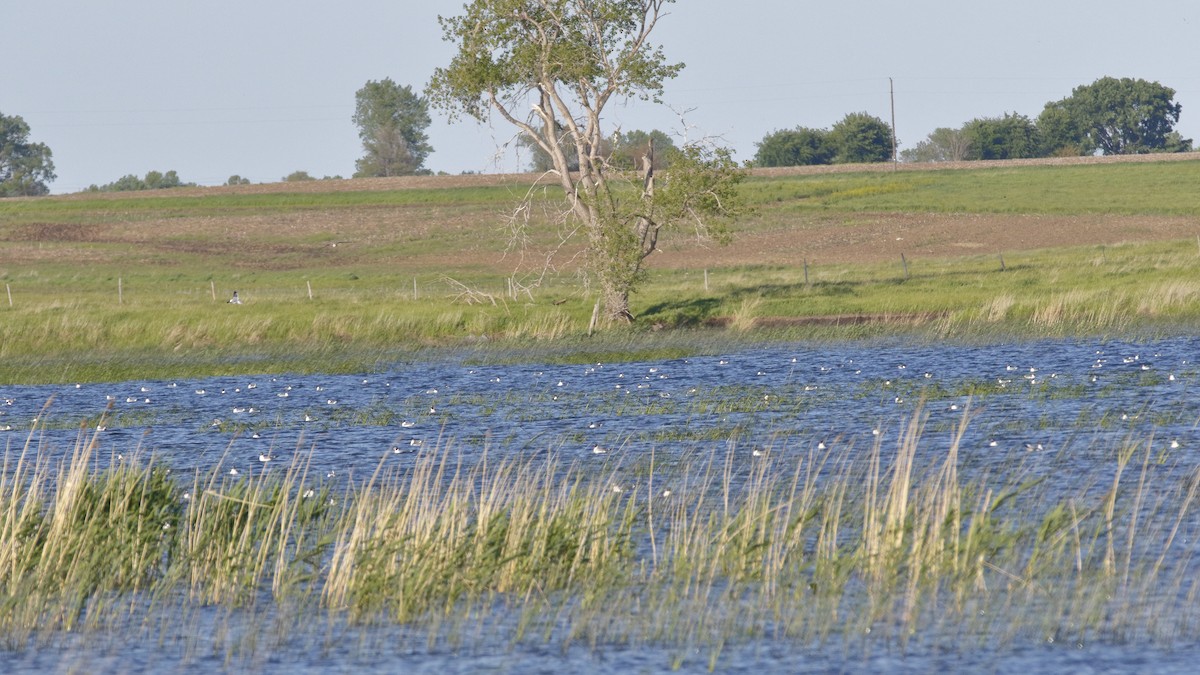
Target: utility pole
{"points": [[892, 94]]}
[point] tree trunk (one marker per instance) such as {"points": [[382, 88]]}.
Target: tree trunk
{"points": [[616, 304]]}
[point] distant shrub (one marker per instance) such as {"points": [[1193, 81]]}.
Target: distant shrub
{"points": [[297, 176], [154, 180]]}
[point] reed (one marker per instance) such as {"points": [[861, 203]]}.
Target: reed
{"points": [[785, 542]]}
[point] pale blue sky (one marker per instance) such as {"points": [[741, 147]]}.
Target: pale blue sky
{"points": [[261, 88]]}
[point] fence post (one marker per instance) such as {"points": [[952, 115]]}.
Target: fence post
{"points": [[595, 316]]}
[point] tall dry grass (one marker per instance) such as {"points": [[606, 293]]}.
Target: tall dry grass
{"points": [[789, 541]]}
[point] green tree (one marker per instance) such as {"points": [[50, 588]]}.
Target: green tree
{"points": [[942, 145], [541, 161], [25, 168], [550, 65], [1062, 133], [159, 181], [1116, 116], [298, 177], [1010, 137], [154, 180], [391, 122], [624, 150], [1175, 142], [794, 147], [237, 180], [629, 147], [860, 138]]}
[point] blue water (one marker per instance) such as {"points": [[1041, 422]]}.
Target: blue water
{"points": [[1037, 392], [1072, 400]]}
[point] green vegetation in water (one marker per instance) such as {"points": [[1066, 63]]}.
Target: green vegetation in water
{"points": [[788, 543]]}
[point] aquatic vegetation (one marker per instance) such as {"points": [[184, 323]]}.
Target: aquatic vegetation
{"points": [[789, 541]]}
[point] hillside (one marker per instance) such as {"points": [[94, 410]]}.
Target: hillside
{"points": [[430, 222], [342, 275]]}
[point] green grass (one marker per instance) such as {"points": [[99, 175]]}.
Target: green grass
{"points": [[117, 286], [1160, 188], [86, 208]]}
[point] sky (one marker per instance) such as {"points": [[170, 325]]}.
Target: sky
{"points": [[262, 88]]}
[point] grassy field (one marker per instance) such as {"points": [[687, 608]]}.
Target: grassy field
{"points": [[345, 275]]}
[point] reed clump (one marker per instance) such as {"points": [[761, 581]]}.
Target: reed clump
{"points": [[787, 542]]}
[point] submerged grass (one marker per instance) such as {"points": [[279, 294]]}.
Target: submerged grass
{"points": [[792, 542]]}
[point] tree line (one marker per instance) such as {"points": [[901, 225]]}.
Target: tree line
{"points": [[1110, 116], [858, 138]]}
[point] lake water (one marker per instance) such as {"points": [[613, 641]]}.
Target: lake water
{"points": [[1032, 393], [1067, 401]]}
